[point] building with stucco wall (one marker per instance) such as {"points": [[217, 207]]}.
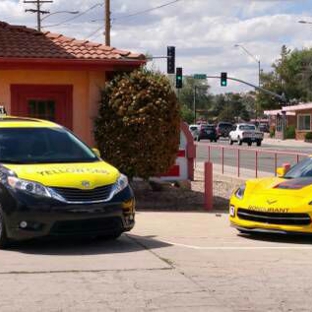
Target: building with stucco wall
{"points": [[51, 76]]}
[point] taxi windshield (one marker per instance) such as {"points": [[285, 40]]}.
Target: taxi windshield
{"points": [[42, 145], [302, 170]]}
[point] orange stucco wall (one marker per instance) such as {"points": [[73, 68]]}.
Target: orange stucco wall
{"points": [[86, 94]]}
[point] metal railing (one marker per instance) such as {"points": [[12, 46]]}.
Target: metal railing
{"points": [[256, 160]]}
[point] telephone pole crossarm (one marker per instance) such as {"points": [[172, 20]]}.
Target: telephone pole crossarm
{"points": [[38, 10]]}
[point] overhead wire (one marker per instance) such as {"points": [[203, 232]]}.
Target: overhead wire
{"points": [[134, 14], [77, 16]]}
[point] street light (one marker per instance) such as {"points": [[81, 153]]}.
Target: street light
{"points": [[68, 12], [304, 22], [259, 68]]}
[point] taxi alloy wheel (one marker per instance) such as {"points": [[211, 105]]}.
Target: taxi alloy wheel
{"points": [[3, 235]]}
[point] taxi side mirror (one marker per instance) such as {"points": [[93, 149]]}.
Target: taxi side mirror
{"points": [[96, 152]]}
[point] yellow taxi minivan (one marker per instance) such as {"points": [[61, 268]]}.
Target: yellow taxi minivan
{"points": [[52, 184]]}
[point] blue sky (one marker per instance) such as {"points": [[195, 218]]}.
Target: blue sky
{"points": [[203, 31]]}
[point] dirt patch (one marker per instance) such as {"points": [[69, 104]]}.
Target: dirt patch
{"points": [[172, 197]]}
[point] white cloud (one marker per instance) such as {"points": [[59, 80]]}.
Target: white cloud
{"points": [[203, 31]]}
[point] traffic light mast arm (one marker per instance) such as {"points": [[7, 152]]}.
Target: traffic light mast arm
{"points": [[280, 97]]}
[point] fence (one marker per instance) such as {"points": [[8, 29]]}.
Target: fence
{"points": [[255, 162]]}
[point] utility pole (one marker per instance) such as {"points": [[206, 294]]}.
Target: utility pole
{"points": [[107, 22], [38, 10]]}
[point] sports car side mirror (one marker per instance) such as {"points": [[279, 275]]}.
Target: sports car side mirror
{"points": [[281, 171], [96, 152]]}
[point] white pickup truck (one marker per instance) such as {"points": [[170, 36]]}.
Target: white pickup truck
{"points": [[248, 133]]}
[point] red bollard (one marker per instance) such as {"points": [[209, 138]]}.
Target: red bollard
{"points": [[208, 186]]}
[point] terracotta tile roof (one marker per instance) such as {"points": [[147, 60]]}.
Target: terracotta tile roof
{"points": [[24, 42]]}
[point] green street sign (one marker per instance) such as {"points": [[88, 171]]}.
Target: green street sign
{"points": [[200, 76]]}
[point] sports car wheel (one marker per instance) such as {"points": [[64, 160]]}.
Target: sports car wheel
{"points": [[259, 143], [240, 142], [249, 143], [230, 141]]}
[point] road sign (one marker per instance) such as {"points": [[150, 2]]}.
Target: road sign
{"points": [[200, 76]]}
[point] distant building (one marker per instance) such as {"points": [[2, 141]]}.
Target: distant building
{"points": [[299, 115]]}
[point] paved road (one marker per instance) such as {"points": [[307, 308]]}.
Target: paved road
{"points": [[170, 262], [266, 161]]}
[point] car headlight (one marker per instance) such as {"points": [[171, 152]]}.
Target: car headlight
{"points": [[121, 184], [239, 193], [29, 187]]}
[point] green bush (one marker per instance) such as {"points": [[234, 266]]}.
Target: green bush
{"points": [[290, 132], [272, 132], [138, 126], [308, 136]]}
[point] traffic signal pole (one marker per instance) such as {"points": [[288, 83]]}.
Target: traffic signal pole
{"points": [[278, 96]]}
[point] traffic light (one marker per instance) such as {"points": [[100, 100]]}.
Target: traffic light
{"points": [[223, 79], [170, 60], [179, 77]]}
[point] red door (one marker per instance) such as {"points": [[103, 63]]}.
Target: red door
{"points": [[51, 102]]}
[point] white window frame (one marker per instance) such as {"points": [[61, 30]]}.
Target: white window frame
{"points": [[298, 124]]}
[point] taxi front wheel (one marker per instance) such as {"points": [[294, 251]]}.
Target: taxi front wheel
{"points": [[111, 236], [4, 242]]}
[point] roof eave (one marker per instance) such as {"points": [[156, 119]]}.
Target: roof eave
{"points": [[70, 64]]}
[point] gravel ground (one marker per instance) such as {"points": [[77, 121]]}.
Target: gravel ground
{"points": [[185, 197]]}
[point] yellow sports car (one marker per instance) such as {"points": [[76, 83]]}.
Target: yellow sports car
{"points": [[281, 204]]}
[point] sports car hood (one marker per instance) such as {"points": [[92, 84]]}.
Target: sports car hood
{"points": [[278, 192], [68, 175]]}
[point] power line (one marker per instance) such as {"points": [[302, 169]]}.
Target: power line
{"points": [[77, 16], [133, 14], [94, 32], [147, 10]]}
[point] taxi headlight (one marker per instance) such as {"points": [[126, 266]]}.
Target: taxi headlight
{"points": [[29, 187], [121, 184], [239, 193]]}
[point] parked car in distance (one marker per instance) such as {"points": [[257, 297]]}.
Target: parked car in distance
{"points": [[223, 129], [207, 132], [194, 129], [264, 127], [245, 133]]}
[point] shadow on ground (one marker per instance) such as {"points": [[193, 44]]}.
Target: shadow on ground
{"points": [[88, 246]]}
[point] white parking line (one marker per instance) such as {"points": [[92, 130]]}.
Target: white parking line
{"points": [[291, 247]]}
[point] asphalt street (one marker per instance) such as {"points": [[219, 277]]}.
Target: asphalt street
{"points": [[247, 157], [171, 261]]}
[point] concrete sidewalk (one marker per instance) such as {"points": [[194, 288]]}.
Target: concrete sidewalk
{"points": [[288, 142], [232, 172]]}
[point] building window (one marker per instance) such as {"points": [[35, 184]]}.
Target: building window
{"points": [[304, 122], [41, 109]]}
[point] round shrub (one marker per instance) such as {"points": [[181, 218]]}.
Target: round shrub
{"points": [[290, 132], [308, 136], [138, 126]]}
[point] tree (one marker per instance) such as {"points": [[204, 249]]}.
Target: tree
{"points": [[186, 97], [138, 127], [229, 107], [291, 76]]}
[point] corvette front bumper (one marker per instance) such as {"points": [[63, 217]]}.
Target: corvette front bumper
{"points": [[271, 222]]}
